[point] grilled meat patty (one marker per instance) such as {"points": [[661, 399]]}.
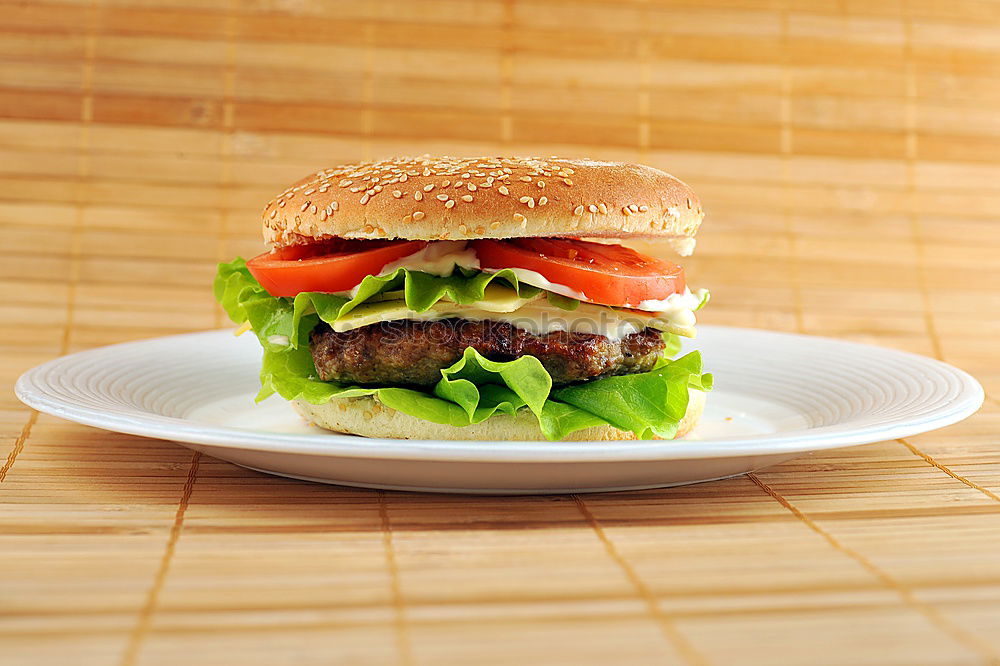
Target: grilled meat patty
{"points": [[414, 352]]}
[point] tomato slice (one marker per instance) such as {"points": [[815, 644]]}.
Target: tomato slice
{"points": [[604, 274], [335, 265]]}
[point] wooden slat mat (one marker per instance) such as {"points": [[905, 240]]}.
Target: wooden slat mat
{"points": [[847, 154]]}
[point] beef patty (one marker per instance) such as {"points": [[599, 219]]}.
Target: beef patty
{"points": [[414, 352]]}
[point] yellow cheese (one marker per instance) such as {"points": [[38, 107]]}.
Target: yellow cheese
{"points": [[496, 299], [535, 315]]}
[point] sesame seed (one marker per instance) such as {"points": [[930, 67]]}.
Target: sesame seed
{"points": [[345, 183], [404, 178], [643, 209], [626, 211], [467, 198], [592, 208], [377, 188], [525, 179], [418, 195], [312, 209], [281, 204], [334, 205], [428, 188], [370, 193], [494, 225], [397, 194], [309, 191], [542, 201], [633, 208], [408, 218], [603, 208], [450, 203], [418, 215], [323, 215], [540, 183], [365, 199], [567, 181], [369, 229], [466, 175], [446, 183], [472, 187], [443, 197], [503, 190], [273, 213], [578, 210], [304, 207], [519, 218]]}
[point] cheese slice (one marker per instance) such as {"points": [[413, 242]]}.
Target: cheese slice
{"points": [[497, 298], [535, 315]]}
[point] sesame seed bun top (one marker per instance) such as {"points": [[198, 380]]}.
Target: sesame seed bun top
{"points": [[431, 198]]}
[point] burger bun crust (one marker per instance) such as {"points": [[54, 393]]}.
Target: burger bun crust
{"points": [[368, 417], [447, 198]]}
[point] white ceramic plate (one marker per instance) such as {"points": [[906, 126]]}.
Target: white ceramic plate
{"points": [[777, 396]]}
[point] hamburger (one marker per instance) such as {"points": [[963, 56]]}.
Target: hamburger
{"points": [[486, 298]]}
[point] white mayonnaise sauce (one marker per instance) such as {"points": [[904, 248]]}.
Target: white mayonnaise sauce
{"points": [[687, 301], [536, 317], [437, 258]]}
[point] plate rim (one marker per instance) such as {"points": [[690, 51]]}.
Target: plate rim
{"points": [[149, 424]]}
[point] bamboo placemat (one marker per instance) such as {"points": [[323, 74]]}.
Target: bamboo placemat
{"points": [[847, 155]]}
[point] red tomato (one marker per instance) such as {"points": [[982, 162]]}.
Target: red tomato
{"points": [[605, 274], [336, 265]]}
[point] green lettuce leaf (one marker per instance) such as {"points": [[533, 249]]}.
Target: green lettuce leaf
{"points": [[706, 296], [292, 375], [524, 376], [673, 342], [476, 388], [648, 404], [276, 321], [562, 302], [560, 419]]}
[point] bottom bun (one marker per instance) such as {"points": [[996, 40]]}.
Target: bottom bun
{"points": [[368, 417]]}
